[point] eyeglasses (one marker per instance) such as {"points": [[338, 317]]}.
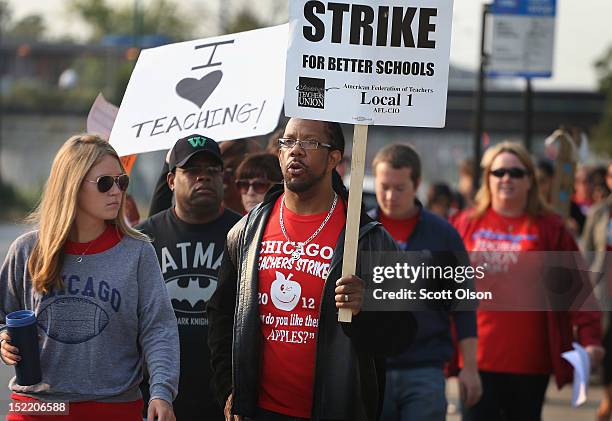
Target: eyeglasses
{"points": [[260, 186], [105, 182], [210, 171], [287, 142], [514, 172]]}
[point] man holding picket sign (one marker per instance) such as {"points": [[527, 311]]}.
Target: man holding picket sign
{"points": [[277, 350], [384, 63]]}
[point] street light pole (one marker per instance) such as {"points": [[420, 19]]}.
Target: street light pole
{"points": [[480, 95], [224, 7], [137, 24], [528, 110]]}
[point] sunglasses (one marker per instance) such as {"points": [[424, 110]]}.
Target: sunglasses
{"points": [[513, 172], [260, 186], [105, 182]]}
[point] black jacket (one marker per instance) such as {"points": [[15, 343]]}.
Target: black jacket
{"points": [[348, 381], [433, 344]]}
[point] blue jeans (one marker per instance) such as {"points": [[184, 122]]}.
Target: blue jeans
{"points": [[415, 394]]}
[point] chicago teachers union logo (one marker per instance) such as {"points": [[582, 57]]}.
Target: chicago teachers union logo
{"points": [[311, 92]]}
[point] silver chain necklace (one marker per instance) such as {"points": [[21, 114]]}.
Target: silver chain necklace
{"points": [[299, 246], [80, 258]]}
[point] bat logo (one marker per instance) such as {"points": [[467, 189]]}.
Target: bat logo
{"points": [[193, 293]]}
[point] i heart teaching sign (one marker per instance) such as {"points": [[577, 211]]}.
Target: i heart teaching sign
{"points": [[226, 87]]}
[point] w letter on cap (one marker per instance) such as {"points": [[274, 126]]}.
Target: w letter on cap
{"points": [[197, 141]]}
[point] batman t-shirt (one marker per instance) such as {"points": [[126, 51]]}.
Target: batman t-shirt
{"points": [[190, 256]]}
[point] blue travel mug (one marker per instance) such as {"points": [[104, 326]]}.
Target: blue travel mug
{"points": [[23, 330]]}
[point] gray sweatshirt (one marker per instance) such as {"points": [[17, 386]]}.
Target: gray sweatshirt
{"points": [[113, 314]]}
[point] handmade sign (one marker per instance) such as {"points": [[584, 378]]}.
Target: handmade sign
{"points": [[227, 87]]}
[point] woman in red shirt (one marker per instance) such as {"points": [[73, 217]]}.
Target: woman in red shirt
{"points": [[518, 351]]}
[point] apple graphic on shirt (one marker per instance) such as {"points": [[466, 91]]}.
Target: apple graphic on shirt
{"points": [[284, 292]]}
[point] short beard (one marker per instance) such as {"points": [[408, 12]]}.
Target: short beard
{"points": [[303, 186], [300, 186]]}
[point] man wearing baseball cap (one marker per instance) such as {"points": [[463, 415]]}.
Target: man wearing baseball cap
{"points": [[189, 239]]}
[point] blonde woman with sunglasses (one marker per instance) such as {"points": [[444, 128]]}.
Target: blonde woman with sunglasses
{"points": [[518, 351], [98, 294]]}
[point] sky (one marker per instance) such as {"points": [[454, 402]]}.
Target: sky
{"points": [[583, 31]]}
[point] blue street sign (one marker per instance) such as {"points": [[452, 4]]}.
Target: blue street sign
{"points": [[525, 7], [523, 38]]}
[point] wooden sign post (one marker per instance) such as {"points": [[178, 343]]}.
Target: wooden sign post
{"points": [[351, 234]]}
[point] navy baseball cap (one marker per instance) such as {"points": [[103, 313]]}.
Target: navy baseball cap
{"points": [[188, 146]]}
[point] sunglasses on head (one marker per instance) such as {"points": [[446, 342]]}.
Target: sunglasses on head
{"points": [[260, 186], [105, 182], [513, 172]]}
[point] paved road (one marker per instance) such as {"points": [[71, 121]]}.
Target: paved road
{"points": [[8, 233], [557, 405]]}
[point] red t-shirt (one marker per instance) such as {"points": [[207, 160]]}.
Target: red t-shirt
{"points": [[78, 411], [107, 240], [509, 342], [400, 229], [289, 300]]}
